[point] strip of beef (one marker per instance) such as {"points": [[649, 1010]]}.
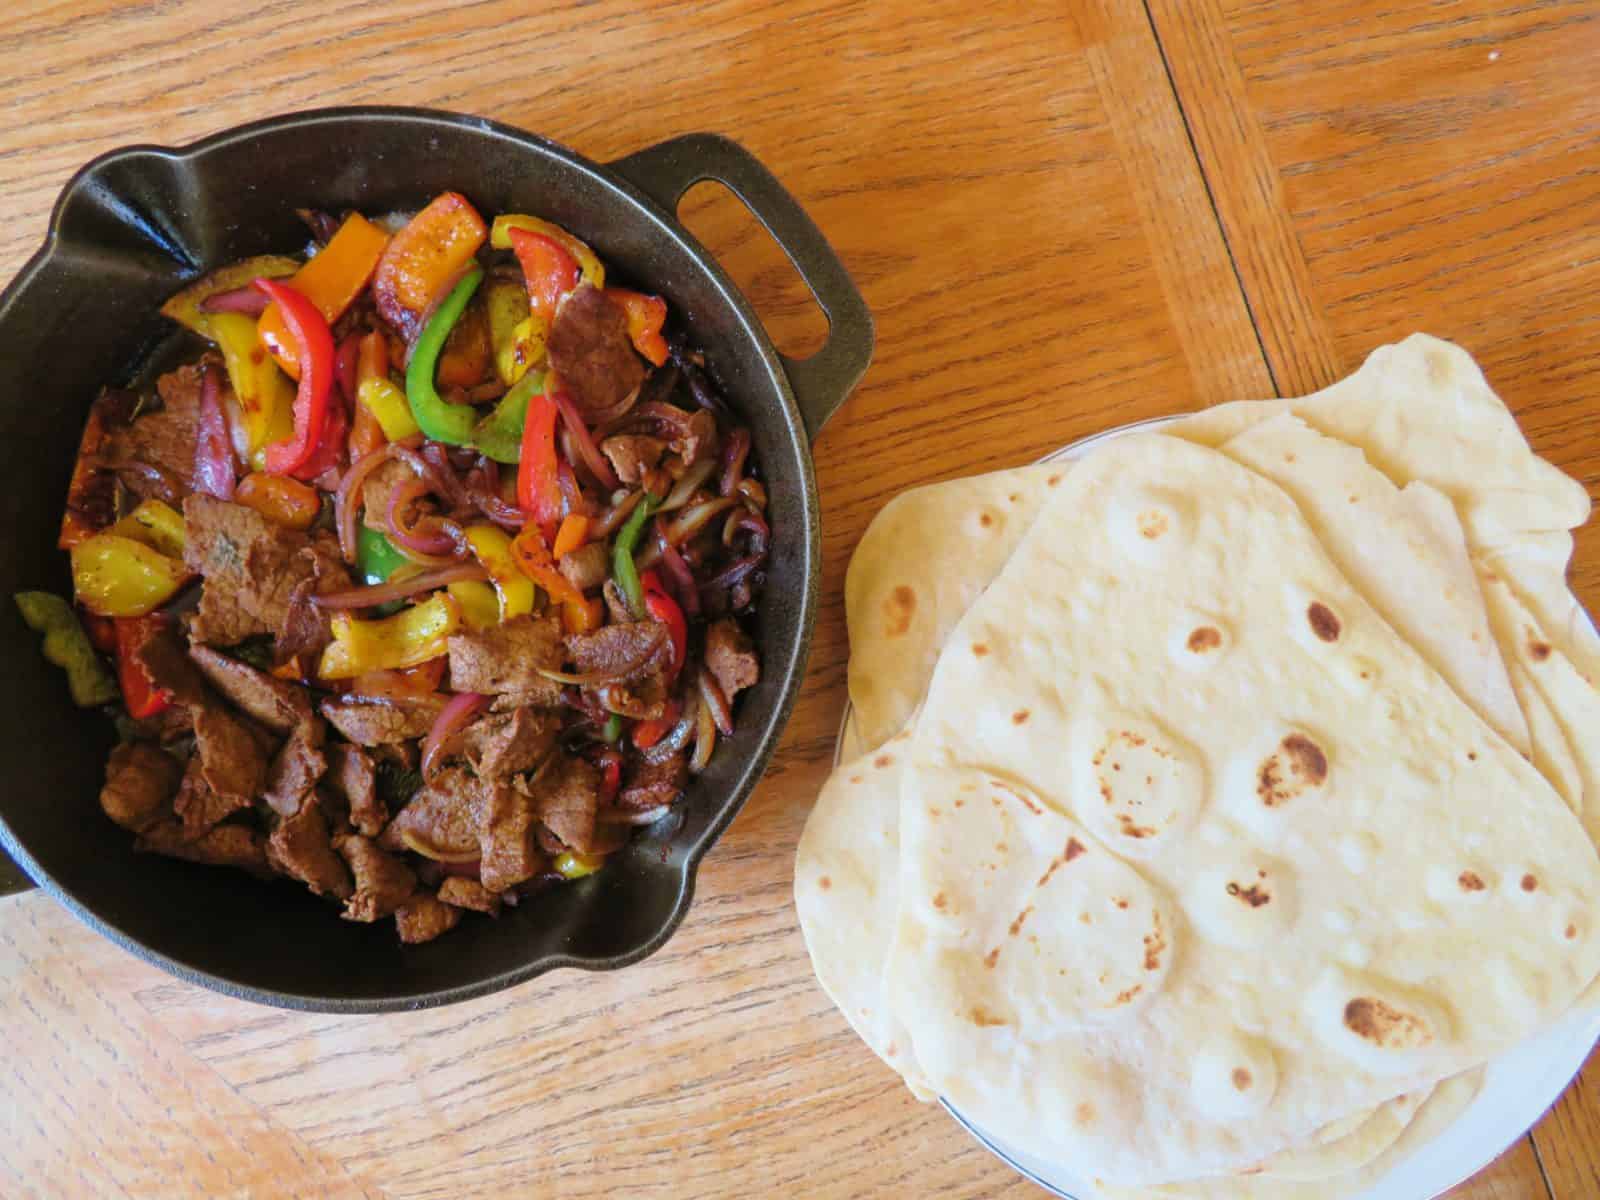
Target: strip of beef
{"points": [[442, 817], [383, 882], [423, 918], [567, 796], [295, 769], [622, 653], [586, 567], [731, 657], [197, 804], [353, 775], [278, 704], [469, 893], [165, 438], [306, 629], [233, 759], [140, 782], [590, 348], [650, 785], [505, 659], [161, 656], [508, 854], [378, 722], [299, 847], [224, 846], [632, 454], [92, 491], [643, 700], [503, 744], [250, 566], [616, 603]]}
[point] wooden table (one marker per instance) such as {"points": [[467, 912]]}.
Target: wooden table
{"points": [[1064, 217]]}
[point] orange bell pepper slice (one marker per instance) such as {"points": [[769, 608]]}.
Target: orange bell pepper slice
{"points": [[279, 499], [424, 257], [578, 615], [646, 316], [574, 532], [334, 277]]}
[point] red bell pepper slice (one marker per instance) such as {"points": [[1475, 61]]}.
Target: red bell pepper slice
{"points": [[539, 471], [665, 609], [646, 316], [550, 271], [314, 352], [647, 733], [141, 696]]}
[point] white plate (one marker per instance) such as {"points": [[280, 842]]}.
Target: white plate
{"points": [[1518, 1087]]}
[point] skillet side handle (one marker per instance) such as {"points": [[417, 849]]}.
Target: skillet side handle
{"points": [[822, 382], [13, 879]]}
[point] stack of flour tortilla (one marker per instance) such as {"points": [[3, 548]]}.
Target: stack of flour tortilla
{"points": [[1228, 796]]}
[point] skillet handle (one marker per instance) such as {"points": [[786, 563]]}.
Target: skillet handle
{"points": [[822, 382], [13, 878]]}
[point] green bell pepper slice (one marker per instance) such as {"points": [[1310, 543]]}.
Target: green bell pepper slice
{"points": [[499, 435], [376, 556], [436, 417], [622, 565], [68, 647]]}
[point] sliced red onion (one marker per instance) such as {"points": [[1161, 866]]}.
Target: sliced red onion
{"points": [[675, 739], [697, 517], [679, 579], [588, 450], [483, 490], [348, 495], [716, 702], [611, 815], [213, 451], [735, 572], [735, 450], [705, 739], [436, 542], [614, 516], [742, 520], [244, 300], [693, 480], [383, 593], [433, 464], [453, 717]]}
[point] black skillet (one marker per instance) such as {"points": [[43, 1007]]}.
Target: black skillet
{"points": [[128, 230]]}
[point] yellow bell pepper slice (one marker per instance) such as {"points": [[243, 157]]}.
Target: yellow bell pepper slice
{"points": [[117, 576], [480, 604], [572, 865], [266, 397], [408, 638], [331, 280], [184, 307], [518, 337], [385, 401], [593, 270], [157, 525], [492, 548]]}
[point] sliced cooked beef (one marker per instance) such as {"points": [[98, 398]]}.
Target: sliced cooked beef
{"points": [[731, 657], [296, 768], [140, 782], [306, 629], [276, 703], [589, 346], [163, 660], [383, 882], [567, 797], [233, 761], [642, 700], [198, 805], [352, 774], [225, 846], [164, 439], [616, 603], [622, 653], [651, 785], [469, 893], [506, 658], [700, 440], [503, 744], [632, 454], [299, 847], [92, 491], [442, 816], [423, 918], [376, 722], [505, 835], [377, 490], [587, 566], [250, 567]]}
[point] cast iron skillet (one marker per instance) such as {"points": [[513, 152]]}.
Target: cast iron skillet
{"points": [[134, 225]]}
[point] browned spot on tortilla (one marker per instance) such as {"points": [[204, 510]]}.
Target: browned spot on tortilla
{"points": [[1529, 883], [1020, 717], [1204, 638], [1120, 902], [824, 883], [1242, 1079], [1084, 1114], [1020, 798], [986, 520], [1126, 997], [940, 900], [1323, 623], [991, 958], [1307, 767], [1014, 497], [897, 611], [1254, 895], [1052, 481], [1022, 917], [891, 1050], [1129, 829], [1539, 650], [1152, 523], [1288, 456], [1001, 847], [1572, 932], [883, 760], [1155, 943], [1471, 881], [979, 649], [1472, 756], [1086, 919], [1074, 848], [856, 779], [1383, 1025], [984, 1019]]}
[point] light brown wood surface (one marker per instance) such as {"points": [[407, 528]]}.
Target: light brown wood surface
{"points": [[1064, 217]]}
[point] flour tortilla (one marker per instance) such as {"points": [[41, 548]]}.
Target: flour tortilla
{"points": [[1420, 411], [1070, 1045]]}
